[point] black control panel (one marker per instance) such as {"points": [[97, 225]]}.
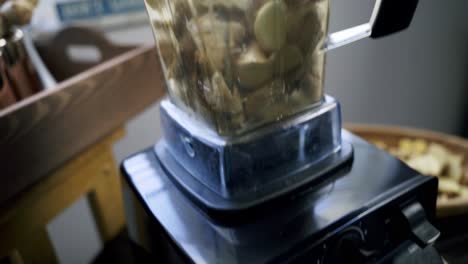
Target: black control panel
{"points": [[372, 237]]}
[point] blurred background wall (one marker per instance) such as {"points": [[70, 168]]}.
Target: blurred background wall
{"points": [[415, 78]]}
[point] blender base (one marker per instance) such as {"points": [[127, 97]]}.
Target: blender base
{"points": [[217, 206], [373, 214]]}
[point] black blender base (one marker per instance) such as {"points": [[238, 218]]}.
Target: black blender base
{"points": [[218, 207], [409, 253], [372, 214]]}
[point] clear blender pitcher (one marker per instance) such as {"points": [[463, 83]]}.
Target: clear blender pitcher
{"points": [[247, 115], [240, 64]]}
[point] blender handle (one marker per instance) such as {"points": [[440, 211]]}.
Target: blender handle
{"points": [[388, 17]]}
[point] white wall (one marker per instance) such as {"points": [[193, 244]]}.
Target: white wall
{"points": [[415, 78]]}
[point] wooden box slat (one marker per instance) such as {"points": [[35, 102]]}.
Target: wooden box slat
{"points": [[47, 129]]}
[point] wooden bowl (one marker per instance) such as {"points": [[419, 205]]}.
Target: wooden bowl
{"points": [[391, 135]]}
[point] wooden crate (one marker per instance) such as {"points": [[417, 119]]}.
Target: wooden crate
{"points": [[45, 130]]}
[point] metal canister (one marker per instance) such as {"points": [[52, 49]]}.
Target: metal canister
{"points": [[7, 97], [19, 69]]}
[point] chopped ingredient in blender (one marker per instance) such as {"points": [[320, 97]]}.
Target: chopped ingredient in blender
{"points": [[286, 59], [241, 4], [238, 64], [221, 98], [214, 36], [270, 25], [253, 68], [304, 27]]}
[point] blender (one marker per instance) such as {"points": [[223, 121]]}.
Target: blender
{"points": [[254, 166]]}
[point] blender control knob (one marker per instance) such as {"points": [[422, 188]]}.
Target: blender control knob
{"points": [[348, 248], [421, 230]]}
